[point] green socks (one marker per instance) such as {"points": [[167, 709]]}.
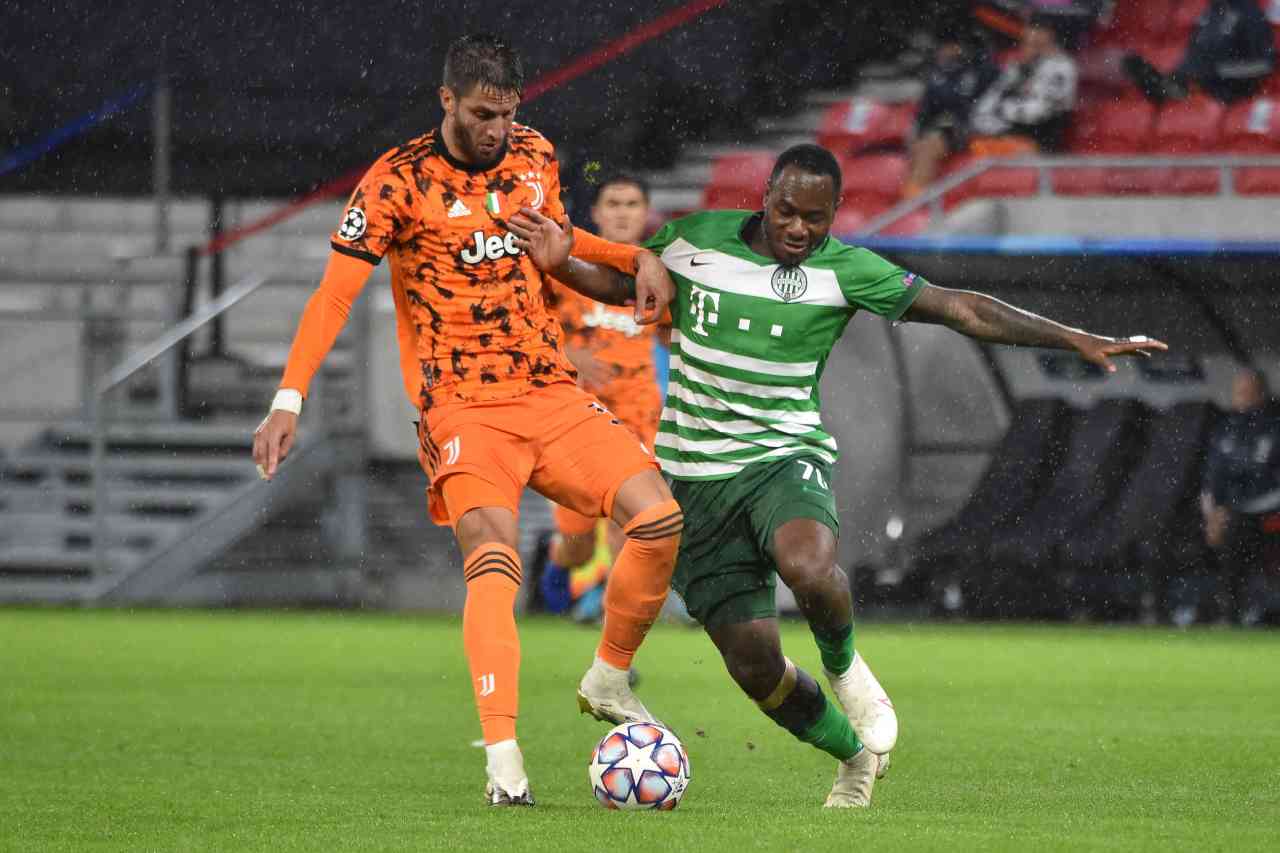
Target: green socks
{"points": [[836, 649], [799, 706], [832, 733]]}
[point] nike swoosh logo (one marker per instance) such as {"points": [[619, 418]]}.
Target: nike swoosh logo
{"points": [[693, 262]]}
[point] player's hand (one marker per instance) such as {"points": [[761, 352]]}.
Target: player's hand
{"points": [[272, 441], [593, 374], [1099, 350], [654, 288], [547, 243]]}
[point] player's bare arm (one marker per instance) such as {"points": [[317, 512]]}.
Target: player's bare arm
{"points": [[549, 244], [988, 319]]}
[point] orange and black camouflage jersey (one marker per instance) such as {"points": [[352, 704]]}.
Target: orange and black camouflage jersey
{"points": [[471, 314], [609, 332]]}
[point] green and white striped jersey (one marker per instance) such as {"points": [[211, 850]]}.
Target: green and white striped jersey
{"points": [[750, 339]]}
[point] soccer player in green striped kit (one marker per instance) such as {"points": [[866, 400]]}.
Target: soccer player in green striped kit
{"points": [[761, 298]]}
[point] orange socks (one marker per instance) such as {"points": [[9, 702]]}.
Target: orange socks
{"points": [[489, 633], [639, 581]]}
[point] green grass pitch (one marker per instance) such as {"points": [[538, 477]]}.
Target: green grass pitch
{"points": [[324, 732]]}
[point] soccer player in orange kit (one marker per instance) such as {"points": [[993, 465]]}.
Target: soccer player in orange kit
{"points": [[614, 358], [483, 358]]}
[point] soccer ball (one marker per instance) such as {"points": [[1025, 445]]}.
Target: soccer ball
{"points": [[639, 766]]}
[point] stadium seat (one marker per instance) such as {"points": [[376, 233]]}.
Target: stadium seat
{"points": [[1120, 126], [738, 180], [850, 219], [916, 222], [1021, 467], [1136, 23], [1187, 127], [1183, 21], [995, 182], [1253, 127], [873, 179], [861, 124]]}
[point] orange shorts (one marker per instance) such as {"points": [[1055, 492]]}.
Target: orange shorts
{"points": [[639, 406], [559, 440]]}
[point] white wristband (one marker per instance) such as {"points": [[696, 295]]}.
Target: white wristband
{"points": [[288, 400]]}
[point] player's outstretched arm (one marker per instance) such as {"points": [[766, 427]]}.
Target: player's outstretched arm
{"points": [[321, 323], [549, 245], [988, 319]]}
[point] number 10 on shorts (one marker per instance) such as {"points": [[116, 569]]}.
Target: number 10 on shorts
{"points": [[811, 472]]}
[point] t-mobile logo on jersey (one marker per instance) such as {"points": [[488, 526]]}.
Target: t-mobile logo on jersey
{"points": [[489, 248], [698, 307]]}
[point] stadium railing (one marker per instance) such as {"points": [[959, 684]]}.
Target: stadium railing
{"points": [[934, 198]]}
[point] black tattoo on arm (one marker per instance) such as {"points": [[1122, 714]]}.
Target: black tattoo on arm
{"points": [[988, 319]]}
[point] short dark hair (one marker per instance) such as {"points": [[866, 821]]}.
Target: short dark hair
{"points": [[813, 159], [483, 60], [621, 179]]}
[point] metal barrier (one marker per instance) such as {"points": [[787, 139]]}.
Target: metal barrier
{"points": [[934, 196]]}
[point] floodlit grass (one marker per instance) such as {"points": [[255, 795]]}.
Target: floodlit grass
{"points": [[319, 732]]}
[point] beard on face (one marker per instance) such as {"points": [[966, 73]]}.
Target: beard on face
{"points": [[472, 148]]}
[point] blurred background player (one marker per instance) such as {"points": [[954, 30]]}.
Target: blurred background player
{"points": [[614, 357], [483, 361]]}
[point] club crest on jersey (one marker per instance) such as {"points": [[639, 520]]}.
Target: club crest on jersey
{"points": [[789, 283], [489, 248], [353, 224], [533, 180]]}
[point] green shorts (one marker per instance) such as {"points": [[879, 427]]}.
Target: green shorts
{"points": [[725, 572]]}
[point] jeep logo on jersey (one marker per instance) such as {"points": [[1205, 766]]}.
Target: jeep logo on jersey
{"points": [[789, 283], [489, 248], [614, 321]]}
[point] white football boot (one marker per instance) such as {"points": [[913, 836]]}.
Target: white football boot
{"points": [[867, 706], [508, 785], [854, 780], [605, 693]]}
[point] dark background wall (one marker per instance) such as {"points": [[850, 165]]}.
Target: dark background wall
{"points": [[273, 98]]}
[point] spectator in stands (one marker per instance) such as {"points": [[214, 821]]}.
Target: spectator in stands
{"points": [[1241, 495], [1024, 111], [962, 70], [1230, 55]]}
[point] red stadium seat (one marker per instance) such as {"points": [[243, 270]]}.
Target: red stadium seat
{"points": [[1253, 127], [916, 222], [1187, 127], [861, 124], [738, 180], [850, 218], [1183, 21], [873, 180], [995, 182], [1121, 126], [1137, 23], [1257, 181], [1165, 57]]}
